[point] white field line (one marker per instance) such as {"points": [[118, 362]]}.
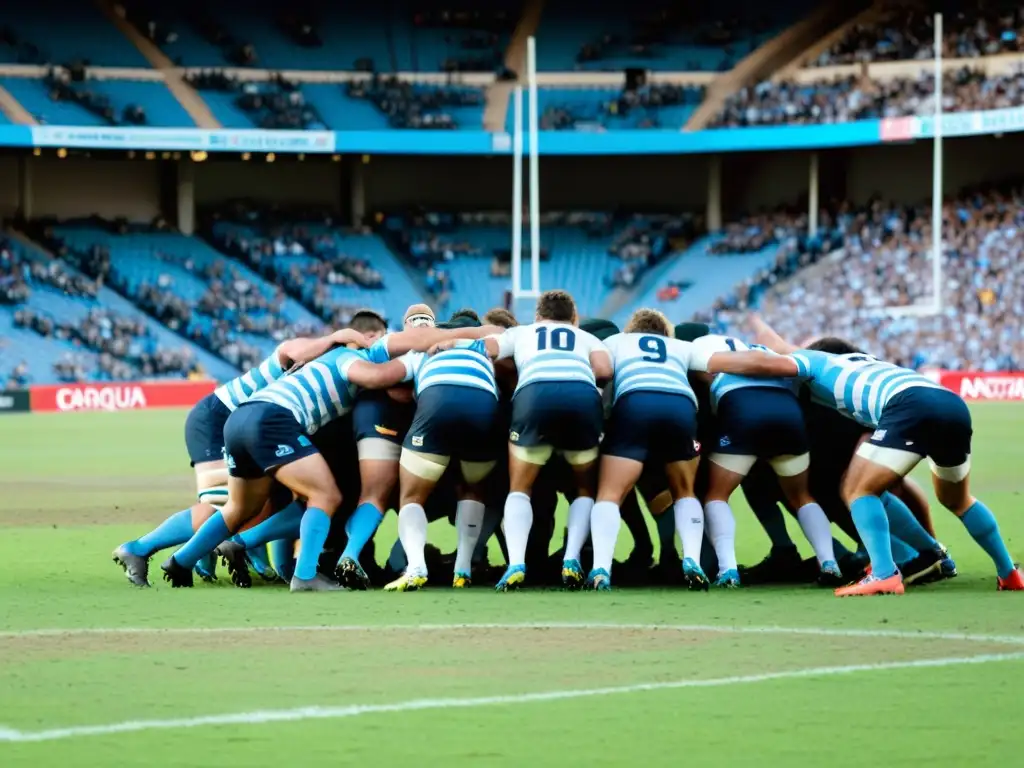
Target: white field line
{"points": [[587, 626], [11, 735]]}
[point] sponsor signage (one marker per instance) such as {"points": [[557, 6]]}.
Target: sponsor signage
{"points": [[120, 396], [13, 401], [983, 385]]}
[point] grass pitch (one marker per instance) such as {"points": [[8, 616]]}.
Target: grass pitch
{"points": [[93, 672]]}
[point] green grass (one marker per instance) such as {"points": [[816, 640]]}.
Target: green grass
{"points": [[75, 485]]}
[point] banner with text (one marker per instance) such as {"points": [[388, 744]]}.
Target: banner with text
{"points": [[13, 401], [121, 396], [982, 385]]}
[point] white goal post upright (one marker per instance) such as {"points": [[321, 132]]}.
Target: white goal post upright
{"points": [[523, 298], [933, 307]]}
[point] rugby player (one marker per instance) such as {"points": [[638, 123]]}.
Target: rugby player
{"points": [[380, 420], [556, 407], [457, 416], [758, 418], [654, 419], [267, 439], [913, 418], [204, 441]]}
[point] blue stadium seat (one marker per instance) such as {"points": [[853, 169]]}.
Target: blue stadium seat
{"points": [[162, 109], [67, 32], [35, 98]]}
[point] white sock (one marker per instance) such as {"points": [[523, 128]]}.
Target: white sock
{"points": [[689, 516], [579, 527], [468, 517], [605, 520], [517, 523], [818, 531], [412, 532], [722, 532]]}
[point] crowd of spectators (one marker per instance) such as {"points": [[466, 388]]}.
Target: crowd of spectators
{"points": [[69, 84], [857, 97], [19, 376], [18, 274], [275, 103], [409, 105], [641, 105], [883, 261], [645, 241], [907, 32], [475, 37]]}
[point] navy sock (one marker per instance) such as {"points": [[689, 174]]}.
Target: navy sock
{"points": [[666, 524], [873, 527], [773, 522], [840, 549], [176, 529], [903, 524], [210, 534], [360, 529], [981, 524], [281, 525], [901, 551], [313, 531], [282, 553], [397, 559]]}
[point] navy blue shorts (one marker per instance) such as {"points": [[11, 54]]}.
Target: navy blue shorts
{"points": [[262, 436], [376, 414], [455, 421], [660, 427], [761, 421], [204, 430], [337, 445], [568, 416], [928, 421]]}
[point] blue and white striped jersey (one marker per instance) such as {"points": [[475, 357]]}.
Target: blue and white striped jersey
{"points": [[856, 385], [241, 388], [467, 364], [650, 363], [552, 352], [319, 391], [723, 383]]}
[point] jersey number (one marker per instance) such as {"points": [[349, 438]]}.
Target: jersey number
{"points": [[655, 349], [562, 339]]}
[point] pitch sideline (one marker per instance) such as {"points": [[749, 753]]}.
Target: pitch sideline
{"points": [[10, 735]]}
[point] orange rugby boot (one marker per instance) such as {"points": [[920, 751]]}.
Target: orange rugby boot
{"points": [[871, 585]]}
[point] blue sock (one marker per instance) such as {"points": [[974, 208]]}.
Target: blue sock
{"points": [[282, 554], [281, 525], [360, 529], [397, 559], [666, 525], [210, 534], [873, 526], [901, 551], [981, 524], [903, 524], [176, 529], [313, 531]]}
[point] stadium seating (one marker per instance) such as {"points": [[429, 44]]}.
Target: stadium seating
{"points": [[601, 108], [66, 32]]}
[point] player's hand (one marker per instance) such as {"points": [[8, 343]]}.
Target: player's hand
{"points": [[349, 338], [443, 346]]}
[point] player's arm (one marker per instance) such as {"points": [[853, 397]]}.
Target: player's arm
{"points": [[296, 352], [752, 363], [765, 335], [422, 339], [601, 362], [377, 375]]}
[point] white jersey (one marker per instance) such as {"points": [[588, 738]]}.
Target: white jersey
{"points": [[651, 363], [723, 383], [551, 352], [240, 389], [467, 364]]}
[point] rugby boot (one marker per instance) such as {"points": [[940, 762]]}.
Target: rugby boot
{"points": [[135, 567], [512, 580], [1012, 583], [572, 575], [729, 579], [462, 580], [830, 575], [782, 565], [599, 580], [177, 575], [872, 585], [318, 583], [259, 562], [410, 581], [232, 554], [696, 579], [206, 568], [929, 566], [351, 574]]}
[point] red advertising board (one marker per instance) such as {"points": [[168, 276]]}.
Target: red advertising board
{"points": [[121, 396], [981, 385]]}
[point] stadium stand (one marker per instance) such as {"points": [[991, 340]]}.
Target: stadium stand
{"points": [[67, 33], [602, 108]]}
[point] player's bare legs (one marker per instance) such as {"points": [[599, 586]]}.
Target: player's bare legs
{"points": [[618, 476], [689, 518], [418, 476]]}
